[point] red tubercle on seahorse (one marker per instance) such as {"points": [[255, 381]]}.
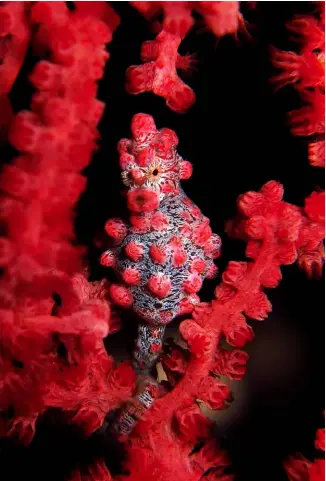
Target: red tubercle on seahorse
{"points": [[154, 243]]}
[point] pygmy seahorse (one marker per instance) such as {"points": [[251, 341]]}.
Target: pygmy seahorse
{"points": [[162, 255]]}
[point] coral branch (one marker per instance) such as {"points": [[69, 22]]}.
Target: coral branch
{"points": [[159, 73], [54, 350], [306, 71], [15, 33], [220, 17], [273, 230], [298, 468]]}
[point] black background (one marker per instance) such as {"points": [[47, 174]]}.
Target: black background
{"points": [[237, 139]]}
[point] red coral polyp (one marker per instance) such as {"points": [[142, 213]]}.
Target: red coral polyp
{"points": [[160, 76], [315, 207], [306, 71]]}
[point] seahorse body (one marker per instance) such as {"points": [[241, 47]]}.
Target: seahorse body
{"points": [[163, 254], [163, 282]]}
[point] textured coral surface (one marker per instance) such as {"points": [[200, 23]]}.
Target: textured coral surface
{"points": [[305, 69]]}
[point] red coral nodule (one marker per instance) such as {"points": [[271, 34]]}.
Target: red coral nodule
{"points": [[137, 176], [159, 285], [131, 275], [193, 283], [158, 254], [116, 229], [159, 221], [185, 170], [156, 347], [134, 251], [315, 206], [107, 259], [142, 127], [121, 295], [142, 200]]}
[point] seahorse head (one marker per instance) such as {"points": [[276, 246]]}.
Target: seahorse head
{"points": [[151, 166]]}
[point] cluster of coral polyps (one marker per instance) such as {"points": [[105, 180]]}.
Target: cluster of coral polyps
{"points": [[53, 355], [273, 230], [167, 250], [53, 320], [162, 60], [299, 468], [306, 71]]}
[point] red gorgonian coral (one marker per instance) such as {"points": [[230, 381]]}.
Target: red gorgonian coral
{"points": [[162, 60], [298, 468], [306, 71], [39, 190], [54, 320]]}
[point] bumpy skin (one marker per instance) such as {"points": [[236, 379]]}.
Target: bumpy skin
{"points": [[148, 345], [167, 249], [173, 262]]}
